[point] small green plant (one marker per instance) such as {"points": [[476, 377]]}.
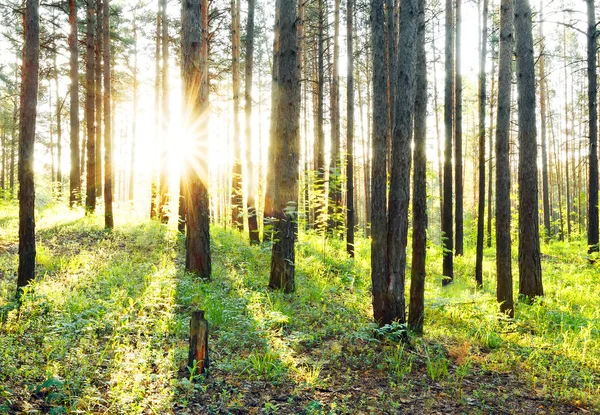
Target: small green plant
{"points": [[437, 365], [266, 365], [399, 362]]}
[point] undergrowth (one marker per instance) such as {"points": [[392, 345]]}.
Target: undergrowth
{"points": [[103, 329]]}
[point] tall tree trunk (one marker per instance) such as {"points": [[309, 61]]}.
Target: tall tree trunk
{"points": [[419, 238], [90, 112], [320, 142], [379, 264], [491, 154], [108, 167], [447, 228], [163, 206], [530, 268], [131, 189], [59, 105], [252, 218], [458, 148], [481, 200], [567, 181], [592, 230], [194, 47], [28, 114], [350, 130], [542, 65], [335, 183], [399, 196], [437, 131], [269, 211], [504, 290], [157, 116], [98, 97], [237, 215], [286, 150]]}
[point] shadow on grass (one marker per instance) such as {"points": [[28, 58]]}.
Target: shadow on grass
{"points": [[92, 332]]}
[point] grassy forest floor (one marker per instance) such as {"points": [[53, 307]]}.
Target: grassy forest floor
{"points": [[104, 330]]}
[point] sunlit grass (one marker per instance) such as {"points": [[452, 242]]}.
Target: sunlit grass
{"points": [[104, 327]]}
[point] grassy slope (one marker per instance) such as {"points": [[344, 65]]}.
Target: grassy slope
{"points": [[103, 330]]}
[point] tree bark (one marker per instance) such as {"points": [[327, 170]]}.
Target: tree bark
{"points": [[75, 174], [157, 116], [504, 290], [163, 206], [447, 228], [481, 200], [194, 47], [491, 154], [335, 183], [252, 216], [399, 195], [98, 96], [269, 211], [28, 114], [237, 216], [320, 142], [592, 230], [90, 112], [542, 65], [530, 268], [419, 239], [350, 130], [131, 189], [108, 167], [285, 150], [458, 148], [379, 163]]}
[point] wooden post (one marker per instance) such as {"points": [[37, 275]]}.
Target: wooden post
{"points": [[198, 342]]}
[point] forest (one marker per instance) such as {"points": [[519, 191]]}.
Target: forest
{"points": [[299, 207]]}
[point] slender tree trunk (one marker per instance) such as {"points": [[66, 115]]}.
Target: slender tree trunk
{"points": [[567, 181], [458, 148], [252, 218], [28, 114], [419, 238], [51, 144], [491, 154], [269, 211], [165, 118], [335, 189], [542, 83], [504, 290], [481, 199], [447, 228], [530, 268], [58, 129], [237, 216], [194, 47], [559, 189], [131, 190], [592, 230], [320, 142], [90, 201], [438, 135], [98, 96], [108, 167], [157, 116], [285, 149], [350, 130]]}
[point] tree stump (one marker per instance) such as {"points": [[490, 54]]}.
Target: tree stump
{"points": [[198, 343]]}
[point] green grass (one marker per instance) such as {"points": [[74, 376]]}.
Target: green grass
{"points": [[104, 327]]}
